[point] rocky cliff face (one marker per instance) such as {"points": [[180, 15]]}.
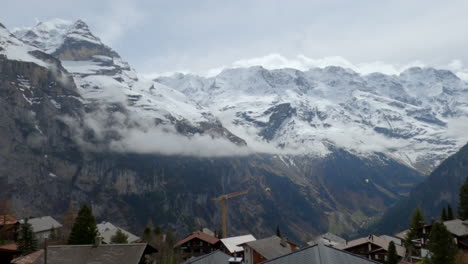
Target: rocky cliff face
{"points": [[78, 125]]}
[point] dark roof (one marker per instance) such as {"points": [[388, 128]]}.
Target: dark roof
{"points": [[270, 247], [320, 254], [372, 239], [200, 235], [216, 257], [87, 254]]}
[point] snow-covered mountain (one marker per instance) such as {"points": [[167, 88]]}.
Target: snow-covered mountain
{"points": [[80, 126], [109, 84], [415, 117]]}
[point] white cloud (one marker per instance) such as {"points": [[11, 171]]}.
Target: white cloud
{"points": [[120, 17]]}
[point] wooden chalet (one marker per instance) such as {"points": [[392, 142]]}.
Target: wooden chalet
{"points": [[198, 243], [371, 247], [265, 249], [9, 227]]}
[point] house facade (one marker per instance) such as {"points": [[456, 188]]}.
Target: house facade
{"points": [[196, 244], [9, 227]]}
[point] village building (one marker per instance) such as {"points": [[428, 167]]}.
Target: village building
{"points": [[320, 254], [231, 245], [198, 243], [108, 230], [91, 254], [215, 257], [44, 227], [328, 239], [9, 227], [396, 240], [457, 227], [8, 252], [371, 247], [268, 248]]}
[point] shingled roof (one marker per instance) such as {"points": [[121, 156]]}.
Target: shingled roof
{"points": [[200, 235], [216, 257], [457, 227], [43, 223], [270, 247], [376, 240], [108, 230], [91, 254], [320, 254]]}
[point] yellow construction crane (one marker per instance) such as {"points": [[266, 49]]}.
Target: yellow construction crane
{"points": [[223, 200]]}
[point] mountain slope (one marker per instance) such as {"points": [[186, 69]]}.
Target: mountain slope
{"points": [[411, 117], [114, 95], [440, 188], [137, 149]]}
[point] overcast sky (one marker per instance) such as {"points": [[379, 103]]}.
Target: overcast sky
{"points": [[199, 35]]}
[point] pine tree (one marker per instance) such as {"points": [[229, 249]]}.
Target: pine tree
{"points": [[278, 231], [415, 230], [463, 203], [443, 216], [450, 215], [119, 237], [392, 257], [157, 230], [84, 230], [27, 242], [441, 245]]}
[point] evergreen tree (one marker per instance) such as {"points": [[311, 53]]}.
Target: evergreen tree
{"points": [[147, 234], [84, 230], [450, 215], [441, 245], [392, 257], [119, 237], [157, 230], [463, 203], [443, 216], [415, 230], [27, 242], [278, 231]]}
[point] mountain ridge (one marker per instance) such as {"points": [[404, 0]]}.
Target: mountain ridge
{"points": [[136, 149]]}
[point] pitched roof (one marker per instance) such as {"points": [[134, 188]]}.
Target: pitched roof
{"points": [[270, 247], [457, 227], [401, 235], [108, 230], [200, 235], [395, 240], [376, 240], [7, 220], [320, 254], [327, 239], [43, 223], [232, 243], [90, 254], [216, 257], [28, 259]]}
